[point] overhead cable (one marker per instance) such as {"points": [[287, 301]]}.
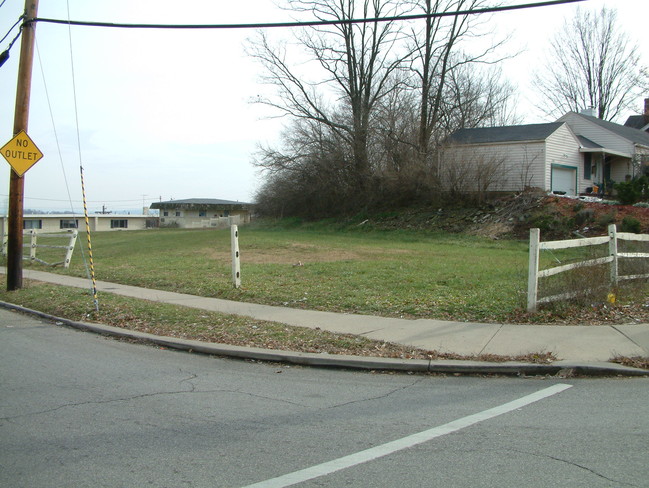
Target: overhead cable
{"points": [[303, 24], [12, 28]]}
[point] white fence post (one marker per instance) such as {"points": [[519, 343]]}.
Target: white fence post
{"points": [[32, 246], [612, 251], [71, 243], [533, 272], [236, 265]]}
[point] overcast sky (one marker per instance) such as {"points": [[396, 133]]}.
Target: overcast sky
{"points": [[167, 114]]}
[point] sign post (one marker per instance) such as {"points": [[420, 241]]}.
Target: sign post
{"points": [[21, 119]]}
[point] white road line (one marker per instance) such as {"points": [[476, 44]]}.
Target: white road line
{"points": [[405, 442]]}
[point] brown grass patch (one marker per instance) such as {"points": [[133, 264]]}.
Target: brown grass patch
{"points": [[300, 252]]}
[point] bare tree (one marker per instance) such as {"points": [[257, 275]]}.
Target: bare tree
{"points": [[592, 64], [476, 96], [469, 174], [355, 62], [437, 54]]}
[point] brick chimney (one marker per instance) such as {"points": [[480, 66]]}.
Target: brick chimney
{"points": [[646, 107]]}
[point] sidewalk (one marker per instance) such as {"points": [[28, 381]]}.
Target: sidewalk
{"points": [[577, 347]]}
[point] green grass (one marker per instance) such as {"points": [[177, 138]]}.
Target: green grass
{"points": [[187, 323], [382, 273], [389, 273]]}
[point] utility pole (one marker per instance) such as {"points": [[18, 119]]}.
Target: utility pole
{"points": [[21, 120]]}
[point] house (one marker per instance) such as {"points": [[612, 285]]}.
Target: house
{"points": [[202, 212], [578, 153], [97, 222], [640, 122], [506, 159], [616, 153]]}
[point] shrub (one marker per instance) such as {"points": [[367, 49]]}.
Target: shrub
{"points": [[633, 191], [606, 219], [631, 224], [584, 216]]}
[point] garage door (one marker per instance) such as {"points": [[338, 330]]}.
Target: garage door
{"points": [[564, 180]]}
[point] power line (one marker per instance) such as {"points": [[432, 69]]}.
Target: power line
{"points": [[302, 24], [12, 28]]}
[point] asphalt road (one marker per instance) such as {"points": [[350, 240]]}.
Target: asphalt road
{"points": [[81, 410]]}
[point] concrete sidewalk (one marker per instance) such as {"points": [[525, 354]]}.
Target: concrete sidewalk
{"points": [[573, 345]]}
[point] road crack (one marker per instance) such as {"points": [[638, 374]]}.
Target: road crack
{"points": [[377, 397], [571, 463]]}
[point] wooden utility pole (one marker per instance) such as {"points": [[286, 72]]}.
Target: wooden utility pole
{"points": [[21, 119]]}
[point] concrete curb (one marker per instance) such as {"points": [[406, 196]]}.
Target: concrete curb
{"points": [[566, 368]]}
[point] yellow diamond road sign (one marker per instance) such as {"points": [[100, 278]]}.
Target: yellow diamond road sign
{"points": [[21, 153]]}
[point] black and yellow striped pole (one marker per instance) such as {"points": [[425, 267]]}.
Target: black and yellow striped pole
{"points": [[90, 260]]}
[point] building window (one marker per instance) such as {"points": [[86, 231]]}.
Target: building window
{"points": [[119, 224], [32, 224], [177, 214], [202, 213], [588, 163], [69, 224], [165, 213]]}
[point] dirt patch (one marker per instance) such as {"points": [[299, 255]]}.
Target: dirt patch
{"points": [[513, 216], [598, 215], [300, 254]]}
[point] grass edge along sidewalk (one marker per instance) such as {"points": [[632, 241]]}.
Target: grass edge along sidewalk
{"points": [[392, 274], [145, 321]]}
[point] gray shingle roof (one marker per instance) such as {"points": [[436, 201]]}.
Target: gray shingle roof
{"points": [[634, 135], [637, 121], [196, 202], [512, 133], [588, 144]]}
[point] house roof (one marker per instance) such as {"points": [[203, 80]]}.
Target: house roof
{"points": [[629, 133], [512, 133], [637, 121], [198, 202], [588, 144]]}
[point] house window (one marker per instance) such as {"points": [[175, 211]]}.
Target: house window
{"points": [[119, 224], [69, 224], [32, 224], [165, 213], [588, 165], [202, 213], [177, 214]]}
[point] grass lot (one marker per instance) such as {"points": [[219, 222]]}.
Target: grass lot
{"points": [[389, 273]]}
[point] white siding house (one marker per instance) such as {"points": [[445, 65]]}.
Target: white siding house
{"points": [[542, 156], [97, 222], [576, 154], [617, 152], [195, 213]]}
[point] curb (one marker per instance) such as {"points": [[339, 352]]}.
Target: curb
{"points": [[512, 368]]}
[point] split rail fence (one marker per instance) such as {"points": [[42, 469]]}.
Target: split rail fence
{"points": [[536, 246], [34, 244]]}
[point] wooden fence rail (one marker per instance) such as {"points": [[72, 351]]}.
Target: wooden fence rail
{"points": [[33, 245], [536, 246]]}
